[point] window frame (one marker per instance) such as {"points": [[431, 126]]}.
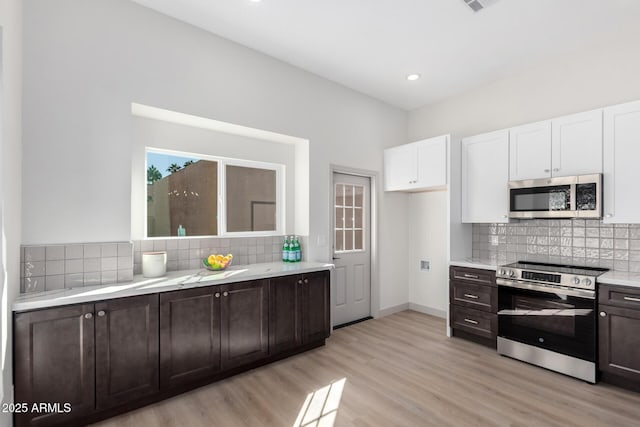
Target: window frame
{"points": [[221, 213]]}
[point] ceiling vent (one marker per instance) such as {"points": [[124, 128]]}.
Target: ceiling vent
{"points": [[478, 5]]}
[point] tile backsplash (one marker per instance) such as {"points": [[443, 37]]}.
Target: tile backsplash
{"points": [[571, 241], [187, 253], [49, 267]]}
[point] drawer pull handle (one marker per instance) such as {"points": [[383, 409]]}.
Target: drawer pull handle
{"points": [[470, 276], [632, 299], [473, 322], [471, 296]]}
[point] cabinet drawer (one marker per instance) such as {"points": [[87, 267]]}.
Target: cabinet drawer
{"points": [[473, 275], [620, 296], [479, 297], [474, 322]]}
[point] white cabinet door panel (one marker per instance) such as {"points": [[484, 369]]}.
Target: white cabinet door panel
{"points": [[530, 151], [577, 144], [400, 167], [485, 175], [621, 164], [432, 162]]}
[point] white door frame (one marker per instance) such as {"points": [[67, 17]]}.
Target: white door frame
{"points": [[374, 178]]}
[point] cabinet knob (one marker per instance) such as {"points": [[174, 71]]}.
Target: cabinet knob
{"points": [[608, 215], [556, 169], [225, 294], [101, 313], [547, 170], [300, 282], [306, 280], [505, 216], [217, 295], [603, 314], [88, 315]]}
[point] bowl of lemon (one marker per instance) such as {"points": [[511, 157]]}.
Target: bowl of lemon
{"points": [[217, 262]]}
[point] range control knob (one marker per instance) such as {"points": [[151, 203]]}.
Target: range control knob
{"points": [[502, 272], [586, 282], [512, 273], [576, 280]]}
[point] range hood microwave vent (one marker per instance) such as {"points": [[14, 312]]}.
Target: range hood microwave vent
{"points": [[478, 5]]}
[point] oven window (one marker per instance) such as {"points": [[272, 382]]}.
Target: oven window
{"points": [[560, 323], [540, 199]]}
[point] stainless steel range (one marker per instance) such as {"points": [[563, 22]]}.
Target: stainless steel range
{"points": [[547, 316]]}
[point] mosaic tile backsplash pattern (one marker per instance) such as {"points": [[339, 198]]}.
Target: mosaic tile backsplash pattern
{"points": [[572, 241], [50, 267]]}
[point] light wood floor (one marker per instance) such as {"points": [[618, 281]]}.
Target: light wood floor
{"points": [[400, 371]]}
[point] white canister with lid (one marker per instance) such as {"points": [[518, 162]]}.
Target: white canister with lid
{"points": [[154, 264]]}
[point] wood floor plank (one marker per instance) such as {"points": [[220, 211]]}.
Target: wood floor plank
{"points": [[400, 370]]}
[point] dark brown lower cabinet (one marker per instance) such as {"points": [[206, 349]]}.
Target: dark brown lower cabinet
{"points": [[54, 363], [244, 309], [619, 343], [189, 335], [115, 355], [126, 334], [299, 310]]}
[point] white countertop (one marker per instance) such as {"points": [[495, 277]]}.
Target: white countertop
{"points": [[173, 280], [622, 278], [485, 264]]}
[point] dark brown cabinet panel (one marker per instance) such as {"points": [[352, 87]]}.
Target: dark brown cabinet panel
{"points": [[189, 335], [620, 296], [285, 311], [619, 342], [315, 308], [54, 362], [473, 299], [126, 334], [244, 309]]}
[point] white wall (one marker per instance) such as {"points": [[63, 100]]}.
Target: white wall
{"points": [[10, 182], [428, 290], [598, 76], [87, 61]]}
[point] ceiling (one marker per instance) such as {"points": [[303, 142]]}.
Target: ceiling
{"points": [[372, 45]]}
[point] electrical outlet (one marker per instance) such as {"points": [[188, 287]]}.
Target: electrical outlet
{"points": [[425, 265]]}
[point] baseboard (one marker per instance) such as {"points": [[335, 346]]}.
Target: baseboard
{"points": [[428, 310], [392, 310]]}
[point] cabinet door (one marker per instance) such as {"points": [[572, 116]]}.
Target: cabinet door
{"points": [[285, 323], [619, 341], [432, 162], [244, 319], [400, 167], [485, 175], [126, 349], [189, 335], [577, 144], [54, 362], [316, 321], [621, 171], [530, 151]]}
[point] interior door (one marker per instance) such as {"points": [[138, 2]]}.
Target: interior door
{"points": [[351, 248]]}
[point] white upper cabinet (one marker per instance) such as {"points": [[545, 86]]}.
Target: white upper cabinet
{"points": [[569, 145], [485, 174], [621, 170], [530, 151], [577, 144], [417, 166]]}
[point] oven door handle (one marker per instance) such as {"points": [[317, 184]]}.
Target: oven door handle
{"points": [[520, 284]]}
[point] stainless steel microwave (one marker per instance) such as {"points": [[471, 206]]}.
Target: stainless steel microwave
{"points": [[562, 197]]}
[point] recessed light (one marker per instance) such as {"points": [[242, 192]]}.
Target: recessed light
{"points": [[412, 77]]}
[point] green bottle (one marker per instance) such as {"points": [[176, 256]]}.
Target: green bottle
{"points": [[296, 249], [285, 250], [292, 250]]}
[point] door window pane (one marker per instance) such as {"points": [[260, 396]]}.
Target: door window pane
{"points": [[251, 199], [349, 218], [182, 193]]}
